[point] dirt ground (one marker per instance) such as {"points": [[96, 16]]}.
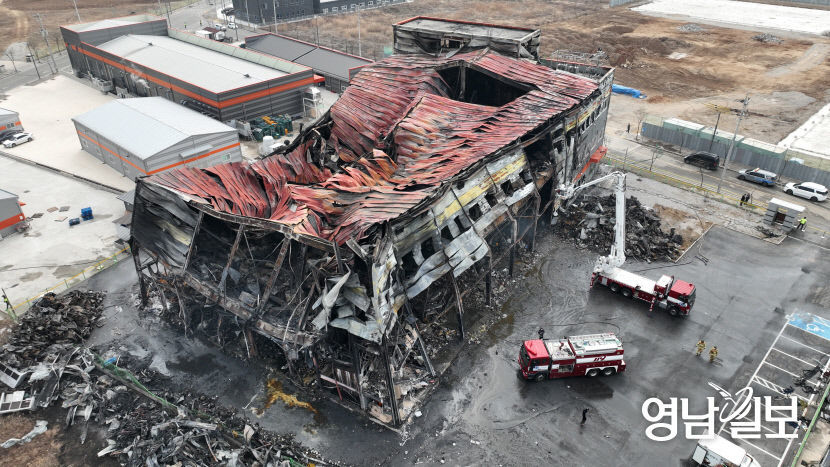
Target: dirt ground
{"points": [[18, 23], [679, 71]]}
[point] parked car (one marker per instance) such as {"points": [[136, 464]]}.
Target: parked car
{"points": [[6, 134], [808, 190], [220, 27], [232, 26], [763, 177], [18, 138], [704, 159]]}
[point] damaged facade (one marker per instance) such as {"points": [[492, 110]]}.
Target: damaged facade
{"points": [[431, 168]]}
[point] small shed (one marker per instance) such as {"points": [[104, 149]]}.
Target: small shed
{"points": [[783, 212], [9, 119], [10, 213], [148, 135]]}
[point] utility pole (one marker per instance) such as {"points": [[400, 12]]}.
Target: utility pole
{"points": [[275, 16], [359, 49], [74, 2], [741, 115], [34, 60], [45, 35]]}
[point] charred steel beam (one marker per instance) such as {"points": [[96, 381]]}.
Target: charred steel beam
{"points": [[488, 287], [266, 224], [272, 331], [142, 286], [182, 308], [275, 271], [459, 306], [423, 348], [193, 241], [356, 365], [390, 382], [235, 246], [339, 257]]}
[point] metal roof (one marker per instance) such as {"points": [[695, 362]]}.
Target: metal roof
{"points": [[111, 23], [7, 112], [205, 68], [466, 28], [322, 59], [144, 126], [402, 105], [7, 195]]}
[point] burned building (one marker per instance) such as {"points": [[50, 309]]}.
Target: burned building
{"points": [[428, 171]]}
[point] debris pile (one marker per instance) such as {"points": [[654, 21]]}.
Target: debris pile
{"points": [[590, 222], [52, 325], [768, 38], [690, 27], [45, 360]]}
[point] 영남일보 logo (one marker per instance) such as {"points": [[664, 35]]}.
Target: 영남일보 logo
{"points": [[744, 417]]}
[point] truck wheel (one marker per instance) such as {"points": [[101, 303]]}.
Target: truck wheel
{"points": [[626, 292], [592, 372], [614, 287], [673, 310], [608, 371], [540, 377]]}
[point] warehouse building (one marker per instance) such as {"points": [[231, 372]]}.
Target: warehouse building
{"points": [[145, 136], [335, 66], [142, 58], [264, 11], [10, 213], [9, 119]]}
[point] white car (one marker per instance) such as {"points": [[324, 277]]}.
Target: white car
{"points": [[20, 138], [808, 190], [232, 26], [220, 27]]}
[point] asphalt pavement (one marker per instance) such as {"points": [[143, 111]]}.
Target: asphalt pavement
{"points": [[483, 414]]}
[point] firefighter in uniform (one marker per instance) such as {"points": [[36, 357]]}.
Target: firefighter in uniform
{"points": [[713, 354], [700, 347]]}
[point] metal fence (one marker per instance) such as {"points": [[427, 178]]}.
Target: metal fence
{"points": [[783, 165]]}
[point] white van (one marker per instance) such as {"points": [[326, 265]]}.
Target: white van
{"points": [[715, 450]]}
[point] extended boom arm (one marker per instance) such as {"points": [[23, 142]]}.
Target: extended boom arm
{"points": [[617, 256]]}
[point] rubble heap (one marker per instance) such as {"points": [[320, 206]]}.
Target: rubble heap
{"points": [[44, 359], [590, 222], [52, 324], [768, 38]]}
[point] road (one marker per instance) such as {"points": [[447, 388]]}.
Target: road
{"points": [[640, 155]]}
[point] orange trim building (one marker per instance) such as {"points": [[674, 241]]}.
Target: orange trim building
{"points": [[147, 135], [140, 56], [10, 213]]}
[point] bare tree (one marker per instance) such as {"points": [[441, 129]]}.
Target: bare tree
{"points": [[8, 53]]}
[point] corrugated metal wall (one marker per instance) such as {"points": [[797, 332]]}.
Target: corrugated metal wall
{"points": [[132, 166], [9, 120], [196, 146], [9, 213], [746, 155]]}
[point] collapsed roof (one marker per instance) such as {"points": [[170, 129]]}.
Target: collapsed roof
{"points": [[400, 132]]}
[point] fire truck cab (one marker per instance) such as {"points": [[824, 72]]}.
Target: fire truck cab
{"points": [[590, 355]]}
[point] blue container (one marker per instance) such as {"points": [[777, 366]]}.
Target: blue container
{"points": [[86, 214], [74, 221]]}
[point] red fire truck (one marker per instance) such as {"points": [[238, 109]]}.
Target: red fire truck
{"points": [[668, 293], [591, 355]]}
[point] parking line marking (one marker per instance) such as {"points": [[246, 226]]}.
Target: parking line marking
{"points": [[775, 388], [792, 356], [806, 380], [763, 450], [801, 343], [760, 425]]}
